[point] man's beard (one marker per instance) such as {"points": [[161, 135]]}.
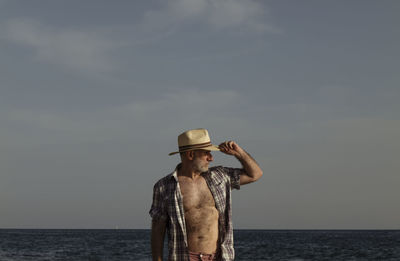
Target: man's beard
{"points": [[199, 166]]}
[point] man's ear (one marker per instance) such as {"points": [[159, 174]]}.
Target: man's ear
{"points": [[190, 154]]}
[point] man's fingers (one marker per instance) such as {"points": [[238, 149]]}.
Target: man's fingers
{"points": [[227, 146]]}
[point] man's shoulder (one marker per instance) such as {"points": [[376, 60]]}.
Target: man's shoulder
{"points": [[225, 172], [218, 173], [218, 169], [164, 181]]}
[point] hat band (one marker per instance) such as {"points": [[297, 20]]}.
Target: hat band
{"points": [[195, 146]]}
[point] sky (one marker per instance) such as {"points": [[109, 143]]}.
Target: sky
{"points": [[93, 95]]}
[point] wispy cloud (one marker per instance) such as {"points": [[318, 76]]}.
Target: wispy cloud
{"points": [[80, 50], [185, 108], [89, 51], [218, 14], [193, 100]]}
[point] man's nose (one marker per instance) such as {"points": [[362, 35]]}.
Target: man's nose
{"points": [[210, 157]]}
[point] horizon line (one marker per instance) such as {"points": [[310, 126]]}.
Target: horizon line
{"points": [[267, 229]]}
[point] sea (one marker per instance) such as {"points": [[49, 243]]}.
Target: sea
{"points": [[133, 244]]}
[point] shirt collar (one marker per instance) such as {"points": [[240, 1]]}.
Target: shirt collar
{"points": [[175, 173]]}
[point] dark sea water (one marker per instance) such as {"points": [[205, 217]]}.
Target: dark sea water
{"points": [[113, 245]]}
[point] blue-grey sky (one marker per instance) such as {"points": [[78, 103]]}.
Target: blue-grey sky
{"points": [[93, 95]]}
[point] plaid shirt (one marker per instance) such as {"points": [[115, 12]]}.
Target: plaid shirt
{"points": [[168, 205]]}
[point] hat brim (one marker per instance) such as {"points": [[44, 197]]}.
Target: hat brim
{"points": [[209, 148]]}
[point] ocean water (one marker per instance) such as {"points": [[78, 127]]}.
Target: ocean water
{"points": [[113, 245]]}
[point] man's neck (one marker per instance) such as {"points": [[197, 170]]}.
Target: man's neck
{"points": [[186, 171]]}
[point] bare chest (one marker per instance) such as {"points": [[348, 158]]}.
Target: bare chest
{"points": [[196, 194]]}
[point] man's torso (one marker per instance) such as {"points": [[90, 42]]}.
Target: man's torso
{"points": [[201, 215]]}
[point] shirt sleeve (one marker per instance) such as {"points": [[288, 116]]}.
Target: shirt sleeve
{"points": [[234, 176], [158, 208]]}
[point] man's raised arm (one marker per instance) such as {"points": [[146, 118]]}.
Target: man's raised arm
{"points": [[252, 170]]}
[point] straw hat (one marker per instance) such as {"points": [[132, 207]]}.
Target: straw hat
{"points": [[197, 139]]}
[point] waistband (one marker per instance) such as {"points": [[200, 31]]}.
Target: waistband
{"points": [[201, 255]]}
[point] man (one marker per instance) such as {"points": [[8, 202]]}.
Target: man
{"points": [[193, 203]]}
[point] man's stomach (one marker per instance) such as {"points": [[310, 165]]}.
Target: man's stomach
{"points": [[202, 229]]}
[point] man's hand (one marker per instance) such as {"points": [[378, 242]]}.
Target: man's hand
{"points": [[231, 148]]}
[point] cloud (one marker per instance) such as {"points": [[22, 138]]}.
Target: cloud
{"points": [[88, 51], [191, 100], [137, 118], [79, 50], [217, 14]]}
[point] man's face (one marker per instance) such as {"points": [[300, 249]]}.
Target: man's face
{"points": [[201, 160]]}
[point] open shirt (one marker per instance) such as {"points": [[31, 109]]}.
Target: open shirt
{"points": [[168, 205]]}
